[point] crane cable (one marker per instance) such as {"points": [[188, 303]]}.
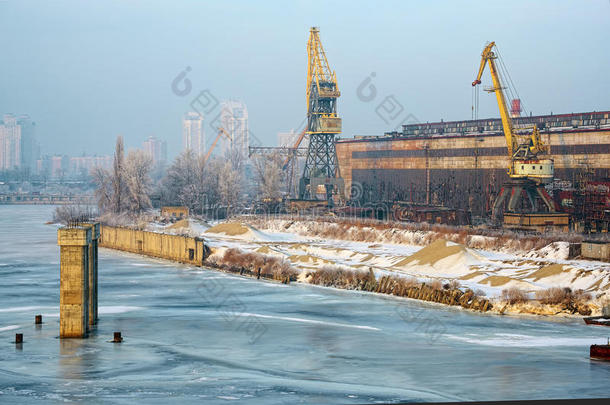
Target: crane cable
{"points": [[475, 102], [512, 89]]}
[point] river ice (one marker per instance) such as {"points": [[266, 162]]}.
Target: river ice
{"points": [[192, 334]]}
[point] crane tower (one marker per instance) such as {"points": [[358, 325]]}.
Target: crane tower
{"points": [[321, 173]]}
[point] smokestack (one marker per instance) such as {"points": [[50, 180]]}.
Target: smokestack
{"points": [[515, 108]]}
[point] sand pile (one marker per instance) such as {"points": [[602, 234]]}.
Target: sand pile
{"points": [[442, 258], [440, 249], [183, 223], [547, 271], [229, 229]]}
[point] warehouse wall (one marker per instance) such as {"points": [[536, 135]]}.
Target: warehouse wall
{"points": [[464, 171]]}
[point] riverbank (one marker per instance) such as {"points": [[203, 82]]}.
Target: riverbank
{"points": [[443, 271]]}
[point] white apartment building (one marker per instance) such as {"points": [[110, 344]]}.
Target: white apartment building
{"points": [[193, 135]]}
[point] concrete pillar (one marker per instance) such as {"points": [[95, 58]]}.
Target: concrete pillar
{"points": [[74, 243], [93, 246]]}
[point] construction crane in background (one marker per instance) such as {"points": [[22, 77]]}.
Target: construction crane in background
{"points": [[221, 131], [294, 149], [321, 169], [526, 171]]}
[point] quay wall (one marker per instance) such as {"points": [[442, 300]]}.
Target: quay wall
{"points": [[183, 249]]}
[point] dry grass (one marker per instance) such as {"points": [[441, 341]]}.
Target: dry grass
{"points": [[422, 234], [236, 260], [410, 282], [514, 295], [333, 276], [556, 295]]}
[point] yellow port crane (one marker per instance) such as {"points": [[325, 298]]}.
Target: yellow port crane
{"points": [[526, 171], [321, 169]]}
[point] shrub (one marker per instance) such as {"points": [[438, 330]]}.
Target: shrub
{"points": [[556, 295], [553, 295], [410, 282], [65, 214], [514, 295], [333, 276], [436, 284], [479, 293], [236, 259]]}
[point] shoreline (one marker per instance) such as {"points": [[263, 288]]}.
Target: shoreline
{"points": [[251, 258]]}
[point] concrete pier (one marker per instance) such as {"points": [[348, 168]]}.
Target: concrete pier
{"points": [[93, 247], [74, 242]]}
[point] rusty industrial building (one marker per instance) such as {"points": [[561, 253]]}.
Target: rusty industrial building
{"points": [[462, 164]]}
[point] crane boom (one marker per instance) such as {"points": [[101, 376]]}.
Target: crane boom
{"points": [[294, 149], [318, 69], [221, 131], [488, 57], [524, 162]]}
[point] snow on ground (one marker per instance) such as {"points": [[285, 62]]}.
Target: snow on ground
{"points": [[478, 269]]}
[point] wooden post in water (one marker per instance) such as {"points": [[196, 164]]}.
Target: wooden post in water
{"points": [[74, 243]]}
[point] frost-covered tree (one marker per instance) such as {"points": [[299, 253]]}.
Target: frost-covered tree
{"points": [[118, 182], [229, 186], [183, 183], [136, 175], [212, 176], [103, 189], [127, 186], [268, 175]]}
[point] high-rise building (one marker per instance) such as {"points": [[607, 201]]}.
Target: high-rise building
{"points": [[234, 119], [193, 135], [156, 149], [18, 146]]}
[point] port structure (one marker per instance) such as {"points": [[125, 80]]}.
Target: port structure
{"points": [[290, 154], [221, 131], [527, 172], [321, 170]]}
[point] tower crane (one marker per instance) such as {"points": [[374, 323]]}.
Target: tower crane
{"points": [[527, 172], [221, 131], [323, 124]]}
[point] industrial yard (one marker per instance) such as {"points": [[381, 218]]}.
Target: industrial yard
{"points": [[555, 177]]}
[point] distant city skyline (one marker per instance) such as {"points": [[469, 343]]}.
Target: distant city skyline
{"points": [[112, 75], [156, 150], [19, 147]]}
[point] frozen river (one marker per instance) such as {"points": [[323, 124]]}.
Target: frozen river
{"points": [[194, 334]]}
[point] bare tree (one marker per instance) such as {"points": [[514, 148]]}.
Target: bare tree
{"points": [[212, 176], [118, 183], [103, 190], [268, 174], [183, 183], [229, 186], [136, 175]]}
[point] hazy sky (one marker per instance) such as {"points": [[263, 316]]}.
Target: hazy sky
{"points": [[86, 71]]}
